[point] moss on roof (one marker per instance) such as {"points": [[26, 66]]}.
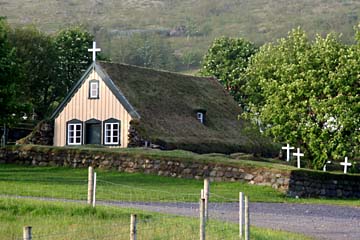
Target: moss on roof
{"points": [[167, 103]]}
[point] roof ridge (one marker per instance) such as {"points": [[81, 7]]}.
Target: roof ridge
{"points": [[156, 70]]}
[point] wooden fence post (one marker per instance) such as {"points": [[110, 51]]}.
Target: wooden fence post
{"points": [[247, 219], [206, 195], [27, 233], [133, 227], [94, 191], [241, 213], [202, 216], [90, 186]]}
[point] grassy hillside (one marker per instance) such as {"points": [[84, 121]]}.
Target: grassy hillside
{"points": [[194, 23]]}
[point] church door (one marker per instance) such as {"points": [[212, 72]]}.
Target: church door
{"points": [[93, 133]]}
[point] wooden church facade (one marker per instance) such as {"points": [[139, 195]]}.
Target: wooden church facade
{"points": [[92, 114]]}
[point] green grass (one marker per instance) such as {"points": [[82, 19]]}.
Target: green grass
{"points": [[71, 183], [60, 182], [54, 220]]}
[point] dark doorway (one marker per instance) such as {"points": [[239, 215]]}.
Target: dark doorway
{"points": [[93, 133]]}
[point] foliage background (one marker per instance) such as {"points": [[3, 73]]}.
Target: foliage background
{"points": [[307, 93]]}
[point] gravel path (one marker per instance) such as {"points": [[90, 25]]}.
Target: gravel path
{"points": [[318, 221]]}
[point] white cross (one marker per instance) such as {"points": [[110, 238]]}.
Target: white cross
{"points": [[324, 168], [287, 148], [345, 164], [298, 155], [94, 50]]}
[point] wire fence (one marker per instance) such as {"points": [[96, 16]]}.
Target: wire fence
{"points": [[160, 214]]}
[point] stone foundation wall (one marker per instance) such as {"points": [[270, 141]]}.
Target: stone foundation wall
{"points": [[305, 183], [302, 183]]}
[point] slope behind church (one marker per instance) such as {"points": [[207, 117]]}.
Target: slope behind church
{"points": [[120, 105]]}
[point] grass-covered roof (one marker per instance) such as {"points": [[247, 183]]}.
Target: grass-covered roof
{"points": [[167, 104]]}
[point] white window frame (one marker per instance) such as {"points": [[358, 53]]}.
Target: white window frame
{"points": [[110, 133], [94, 89], [200, 117], [71, 140]]}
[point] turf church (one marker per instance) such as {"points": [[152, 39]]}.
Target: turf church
{"points": [[120, 105]]}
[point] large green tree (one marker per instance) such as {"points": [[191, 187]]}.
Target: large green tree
{"points": [[227, 60], [72, 46], [37, 56], [307, 93], [11, 105]]}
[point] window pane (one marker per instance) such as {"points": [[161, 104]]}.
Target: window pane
{"points": [[115, 139], [108, 139], [94, 89], [116, 133], [107, 126], [116, 126], [74, 133]]}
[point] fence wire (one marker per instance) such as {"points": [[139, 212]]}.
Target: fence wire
{"points": [[161, 214]]}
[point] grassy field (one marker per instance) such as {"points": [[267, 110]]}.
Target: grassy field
{"points": [[55, 221], [71, 183]]}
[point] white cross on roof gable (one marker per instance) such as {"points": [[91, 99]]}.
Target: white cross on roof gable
{"points": [[94, 50]]}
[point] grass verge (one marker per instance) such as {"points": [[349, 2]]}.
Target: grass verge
{"points": [[69, 183], [55, 220]]}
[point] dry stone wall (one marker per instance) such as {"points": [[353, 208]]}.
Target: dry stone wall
{"points": [[307, 183], [302, 183]]}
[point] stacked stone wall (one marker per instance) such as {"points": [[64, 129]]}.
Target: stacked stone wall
{"points": [[302, 183]]}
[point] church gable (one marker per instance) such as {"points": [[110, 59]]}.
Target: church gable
{"points": [[94, 112]]}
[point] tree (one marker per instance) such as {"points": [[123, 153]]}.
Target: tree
{"points": [[227, 60], [307, 93], [72, 46], [11, 104], [38, 60]]}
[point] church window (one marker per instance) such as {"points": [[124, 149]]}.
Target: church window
{"points": [[94, 89], [112, 132], [74, 133], [200, 117]]}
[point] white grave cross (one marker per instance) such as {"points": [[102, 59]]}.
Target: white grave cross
{"points": [[346, 164], [298, 154], [94, 50], [324, 168], [287, 148]]}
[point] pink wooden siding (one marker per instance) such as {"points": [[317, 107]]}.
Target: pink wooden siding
{"points": [[82, 108]]}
